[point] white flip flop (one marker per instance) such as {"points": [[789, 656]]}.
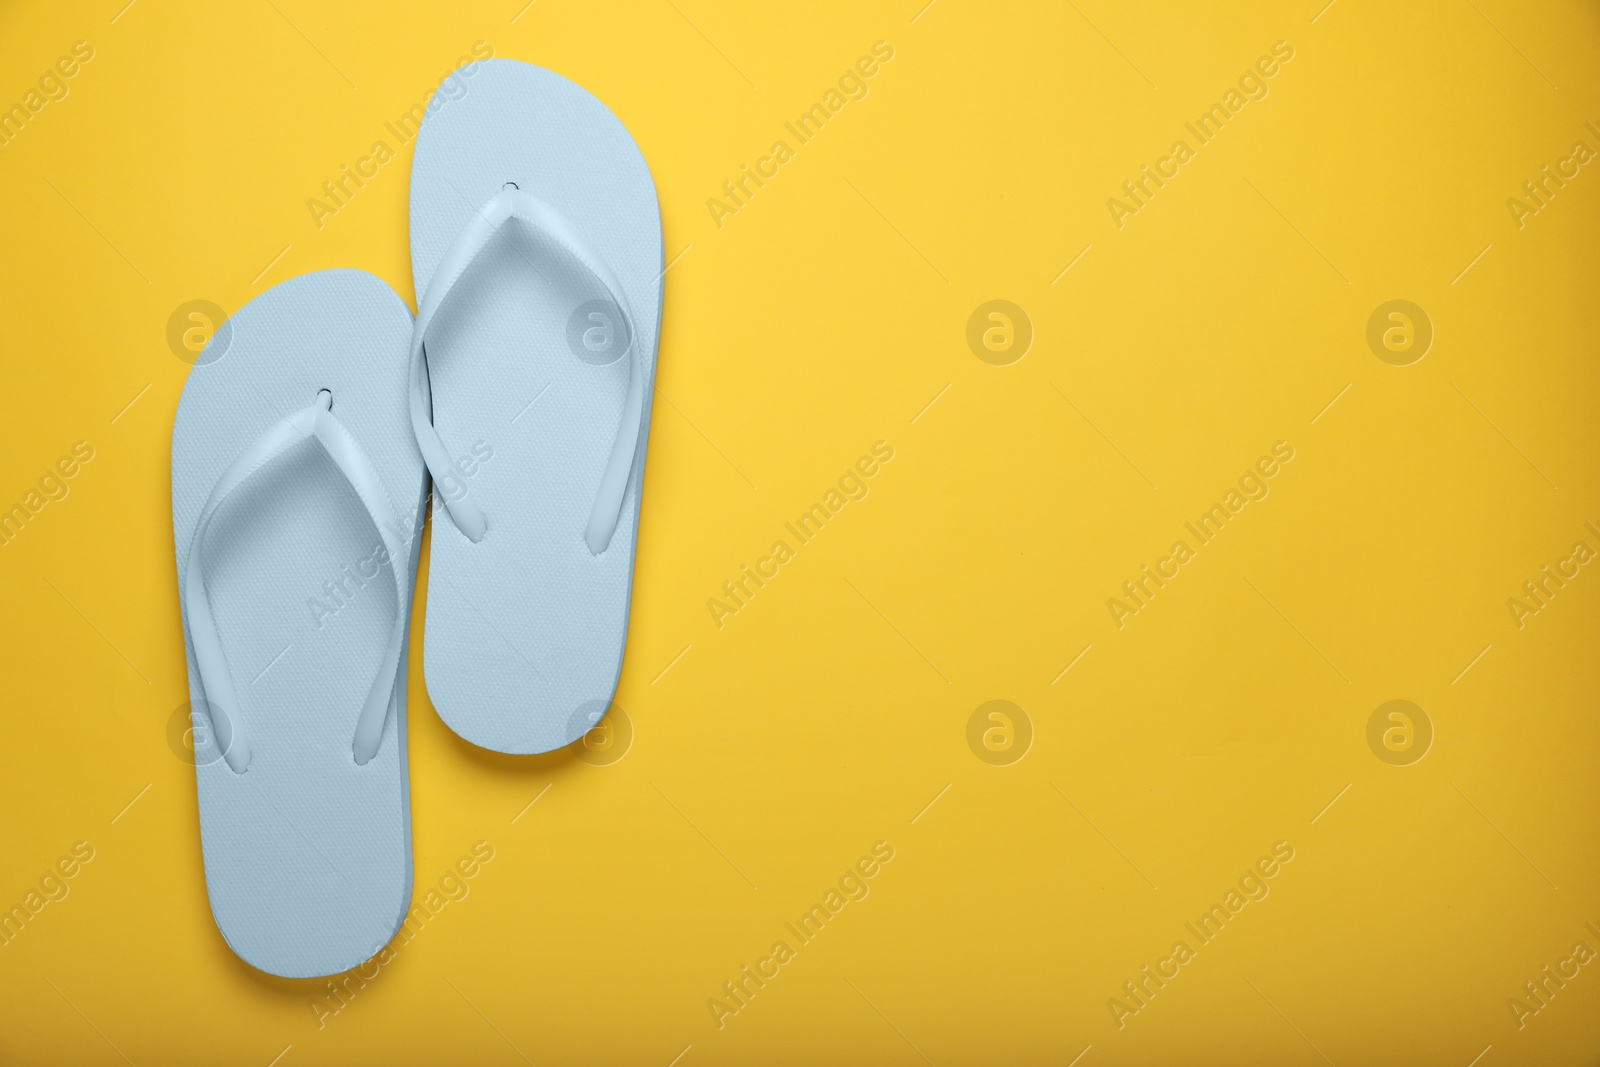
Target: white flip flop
{"points": [[537, 258], [296, 493]]}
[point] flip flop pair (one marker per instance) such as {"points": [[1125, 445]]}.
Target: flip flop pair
{"points": [[304, 444]]}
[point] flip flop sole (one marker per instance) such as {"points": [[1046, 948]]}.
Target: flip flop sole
{"points": [[307, 855], [523, 640]]}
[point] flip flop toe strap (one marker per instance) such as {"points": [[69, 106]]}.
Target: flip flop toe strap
{"points": [[486, 223], [317, 423]]}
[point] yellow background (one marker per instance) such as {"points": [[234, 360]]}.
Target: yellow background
{"points": [[770, 754]]}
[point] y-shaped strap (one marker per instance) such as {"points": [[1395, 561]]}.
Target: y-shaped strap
{"points": [[511, 203], [221, 699]]}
